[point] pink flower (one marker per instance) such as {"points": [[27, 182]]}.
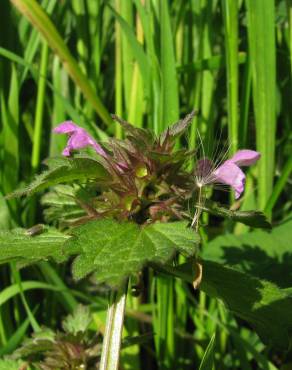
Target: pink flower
{"points": [[228, 173], [78, 138]]}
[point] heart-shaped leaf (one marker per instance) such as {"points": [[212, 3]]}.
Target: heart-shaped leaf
{"points": [[116, 250]]}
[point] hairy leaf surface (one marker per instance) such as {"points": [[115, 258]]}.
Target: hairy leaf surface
{"points": [[65, 170], [116, 250], [17, 245]]}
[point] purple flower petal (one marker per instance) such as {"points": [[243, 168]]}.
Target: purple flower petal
{"points": [[245, 157], [230, 174], [78, 138], [66, 127]]}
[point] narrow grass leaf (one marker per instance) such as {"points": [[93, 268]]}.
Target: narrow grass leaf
{"points": [[170, 98], [208, 358], [230, 16], [14, 341], [261, 34]]}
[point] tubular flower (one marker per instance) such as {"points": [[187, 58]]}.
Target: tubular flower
{"points": [[228, 173], [78, 138]]}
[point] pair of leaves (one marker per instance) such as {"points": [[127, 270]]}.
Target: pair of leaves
{"points": [[116, 250], [111, 249]]}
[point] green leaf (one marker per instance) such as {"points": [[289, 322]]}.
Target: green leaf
{"points": [[11, 365], [265, 306], [116, 250], [255, 219], [18, 245], [64, 170], [40, 342], [260, 253], [78, 322]]}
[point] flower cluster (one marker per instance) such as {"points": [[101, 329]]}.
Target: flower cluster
{"points": [[148, 179]]}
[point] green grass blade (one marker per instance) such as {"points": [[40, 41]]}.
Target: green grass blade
{"points": [[208, 358], [15, 339], [261, 34], [10, 141], [36, 15], [169, 98], [127, 55], [83, 45], [245, 105], [136, 100], [30, 315], [207, 103], [279, 186], [230, 16], [118, 73], [38, 123], [289, 10], [163, 324], [14, 57]]}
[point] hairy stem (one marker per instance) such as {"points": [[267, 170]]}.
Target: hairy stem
{"points": [[113, 332]]}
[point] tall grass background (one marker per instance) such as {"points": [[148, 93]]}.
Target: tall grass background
{"points": [[150, 62]]}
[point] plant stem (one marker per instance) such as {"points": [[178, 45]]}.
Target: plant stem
{"points": [[38, 123], [113, 332]]}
